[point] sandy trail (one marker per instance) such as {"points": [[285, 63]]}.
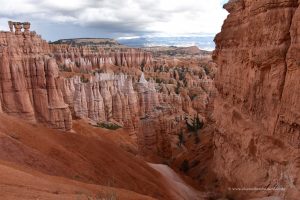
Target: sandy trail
{"points": [[178, 188]]}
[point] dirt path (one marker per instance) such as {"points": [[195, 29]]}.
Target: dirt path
{"points": [[178, 188]]}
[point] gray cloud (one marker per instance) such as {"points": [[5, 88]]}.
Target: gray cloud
{"points": [[115, 18]]}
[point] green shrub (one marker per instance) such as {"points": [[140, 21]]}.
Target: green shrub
{"points": [[109, 126], [83, 79], [196, 124], [65, 68]]}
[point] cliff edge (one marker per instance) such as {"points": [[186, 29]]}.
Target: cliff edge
{"points": [[258, 107]]}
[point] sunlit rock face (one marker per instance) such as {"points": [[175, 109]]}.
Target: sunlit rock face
{"points": [[258, 110], [30, 79]]}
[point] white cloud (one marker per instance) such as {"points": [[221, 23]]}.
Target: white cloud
{"points": [[125, 17]]}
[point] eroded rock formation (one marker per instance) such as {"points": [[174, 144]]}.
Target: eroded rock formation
{"points": [[30, 82], [151, 98], [138, 107], [85, 58], [105, 97], [118, 91], [258, 109]]}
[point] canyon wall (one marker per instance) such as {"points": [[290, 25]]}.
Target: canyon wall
{"points": [[258, 108], [30, 82]]}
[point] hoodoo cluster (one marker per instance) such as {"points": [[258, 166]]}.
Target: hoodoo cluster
{"points": [[55, 83], [18, 26]]}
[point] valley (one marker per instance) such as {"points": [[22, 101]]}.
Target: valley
{"points": [[91, 118]]}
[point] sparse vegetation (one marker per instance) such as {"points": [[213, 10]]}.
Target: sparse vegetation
{"points": [[109, 126], [65, 68], [196, 124], [83, 79]]}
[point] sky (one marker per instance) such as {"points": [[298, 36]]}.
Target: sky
{"points": [[58, 19]]}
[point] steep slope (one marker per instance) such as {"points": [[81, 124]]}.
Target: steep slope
{"points": [[257, 110], [87, 156], [35, 185]]}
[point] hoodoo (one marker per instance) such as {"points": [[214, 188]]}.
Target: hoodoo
{"points": [[30, 81]]}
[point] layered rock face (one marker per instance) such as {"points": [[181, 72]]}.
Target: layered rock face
{"points": [[83, 58], [29, 86], [258, 111], [105, 97], [148, 115]]}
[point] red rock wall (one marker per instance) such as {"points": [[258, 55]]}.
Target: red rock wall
{"points": [[258, 108], [29, 86]]}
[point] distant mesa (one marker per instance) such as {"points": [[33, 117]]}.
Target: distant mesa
{"points": [[97, 42]]}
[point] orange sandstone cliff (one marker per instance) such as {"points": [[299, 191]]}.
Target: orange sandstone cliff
{"points": [[30, 82], [257, 110]]}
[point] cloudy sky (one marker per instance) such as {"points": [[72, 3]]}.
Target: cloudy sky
{"points": [[56, 19]]}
